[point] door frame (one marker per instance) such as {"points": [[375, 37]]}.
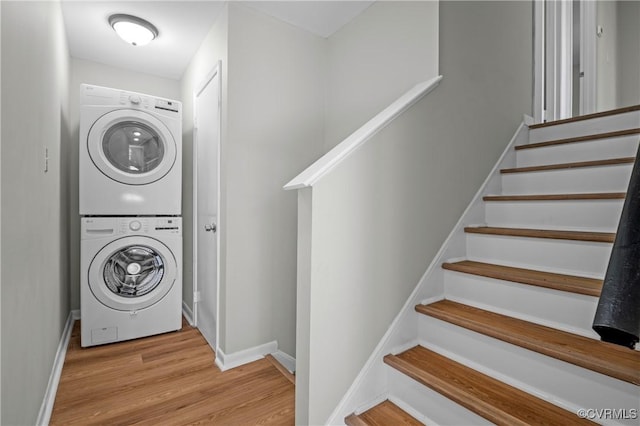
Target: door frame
{"points": [[216, 70], [553, 27]]}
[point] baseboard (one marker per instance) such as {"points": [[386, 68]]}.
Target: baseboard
{"points": [[52, 387], [187, 312], [286, 360], [236, 359]]}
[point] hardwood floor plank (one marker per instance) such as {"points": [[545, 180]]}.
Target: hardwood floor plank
{"points": [[586, 117], [383, 414], [167, 379], [586, 138], [558, 197], [561, 166], [562, 282], [597, 237]]}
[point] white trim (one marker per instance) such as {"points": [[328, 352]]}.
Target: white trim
{"points": [[216, 70], [345, 148], [588, 64], [44, 415], [538, 61], [286, 360], [188, 313], [453, 246], [228, 361]]}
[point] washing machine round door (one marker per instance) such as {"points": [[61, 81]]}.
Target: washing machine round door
{"points": [[131, 147], [132, 273]]}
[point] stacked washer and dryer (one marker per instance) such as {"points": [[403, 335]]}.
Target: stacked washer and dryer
{"points": [[130, 188]]}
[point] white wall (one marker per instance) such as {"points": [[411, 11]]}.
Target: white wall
{"points": [[629, 53], [35, 291], [84, 71], [377, 220], [272, 126], [212, 50], [607, 56], [275, 129], [374, 59]]}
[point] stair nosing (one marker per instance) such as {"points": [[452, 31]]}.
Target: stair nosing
{"points": [[596, 237], [571, 354], [517, 275], [578, 139], [559, 197], [567, 166], [586, 117]]}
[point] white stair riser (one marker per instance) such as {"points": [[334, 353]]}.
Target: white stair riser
{"points": [[601, 149], [432, 405], [629, 120], [561, 310], [580, 258], [567, 181], [593, 215], [559, 382]]}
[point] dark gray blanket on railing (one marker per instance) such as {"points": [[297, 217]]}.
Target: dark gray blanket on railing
{"points": [[617, 318]]}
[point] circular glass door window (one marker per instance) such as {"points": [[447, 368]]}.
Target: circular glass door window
{"points": [[133, 271], [133, 147]]}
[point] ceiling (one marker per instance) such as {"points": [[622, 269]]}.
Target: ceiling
{"points": [[182, 25]]}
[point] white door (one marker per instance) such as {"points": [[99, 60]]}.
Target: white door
{"points": [[206, 164]]}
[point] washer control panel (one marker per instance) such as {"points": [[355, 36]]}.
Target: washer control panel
{"points": [[109, 226]]}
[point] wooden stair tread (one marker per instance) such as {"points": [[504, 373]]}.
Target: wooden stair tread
{"points": [[605, 358], [494, 400], [586, 138], [598, 237], [586, 117], [384, 414], [568, 283], [561, 166], [558, 197]]}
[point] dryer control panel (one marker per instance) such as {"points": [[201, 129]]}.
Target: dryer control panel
{"points": [[97, 95], [98, 227]]}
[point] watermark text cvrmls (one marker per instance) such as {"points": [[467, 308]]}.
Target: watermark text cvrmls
{"points": [[608, 413]]}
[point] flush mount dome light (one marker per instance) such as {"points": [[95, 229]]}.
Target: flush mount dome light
{"points": [[132, 29]]}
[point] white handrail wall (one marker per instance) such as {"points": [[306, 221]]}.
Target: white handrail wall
{"points": [[345, 148]]}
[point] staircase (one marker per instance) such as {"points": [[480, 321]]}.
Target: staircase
{"points": [[511, 342]]}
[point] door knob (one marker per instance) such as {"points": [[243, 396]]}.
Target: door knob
{"points": [[211, 228]]}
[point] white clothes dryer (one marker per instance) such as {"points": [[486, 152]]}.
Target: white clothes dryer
{"points": [[130, 153], [131, 278]]}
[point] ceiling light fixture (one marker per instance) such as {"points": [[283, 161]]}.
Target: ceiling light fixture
{"points": [[132, 29]]}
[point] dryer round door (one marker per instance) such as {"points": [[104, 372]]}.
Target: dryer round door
{"points": [[131, 147], [132, 273]]}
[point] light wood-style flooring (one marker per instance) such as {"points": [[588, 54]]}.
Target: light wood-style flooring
{"points": [[170, 379]]}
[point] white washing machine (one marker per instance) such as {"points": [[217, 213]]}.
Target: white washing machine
{"points": [[131, 277], [130, 153]]}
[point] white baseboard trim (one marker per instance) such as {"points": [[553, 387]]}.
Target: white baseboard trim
{"points": [[187, 312], [286, 360], [44, 415], [228, 361]]}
